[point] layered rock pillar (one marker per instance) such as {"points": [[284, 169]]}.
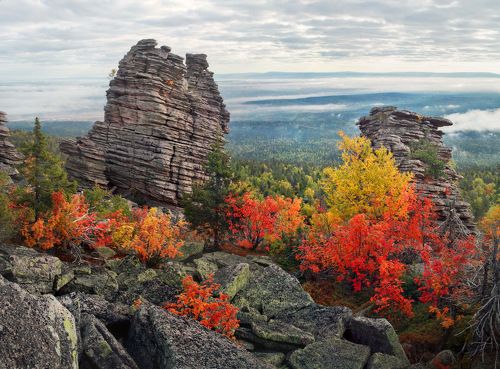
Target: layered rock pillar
{"points": [[400, 131], [9, 156], [161, 118]]}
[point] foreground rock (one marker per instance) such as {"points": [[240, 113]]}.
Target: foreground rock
{"points": [[9, 156], [161, 340], [161, 118], [399, 131], [36, 332]]}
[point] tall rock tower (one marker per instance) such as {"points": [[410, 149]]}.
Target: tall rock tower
{"points": [[161, 118], [401, 132], [9, 157]]}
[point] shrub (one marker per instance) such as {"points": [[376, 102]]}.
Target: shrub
{"points": [[199, 302], [427, 152]]}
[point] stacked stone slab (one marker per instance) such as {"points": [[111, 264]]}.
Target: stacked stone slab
{"points": [[161, 118], [9, 157], [398, 131]]}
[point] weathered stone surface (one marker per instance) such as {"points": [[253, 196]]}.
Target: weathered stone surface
{"points": [[378, 334], [322, 321], [332, 353], [273, 358], [36, 332], [161, 118], [9, 156], [100, 347], [190, 249], [383, 361], [277, 331], [273, 291], [248, 335], [444, 359], [233, 278], [36, 272], [159, 339], [97, 280], [398, 130]]}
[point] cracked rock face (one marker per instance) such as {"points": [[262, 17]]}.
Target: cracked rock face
{"points": [[9, 157], [399, 131], [161, 118]]}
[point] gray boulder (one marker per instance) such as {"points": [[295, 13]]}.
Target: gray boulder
{"points": [[273, 358], [383, 361], [322, 321], [332, 353], [273, 291], [36, 332], [233, 278], [378, 334], [159, 339], [277, 331], [100, 348], [33, 271]]}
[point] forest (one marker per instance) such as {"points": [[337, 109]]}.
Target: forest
{"points": [[355, 232]]}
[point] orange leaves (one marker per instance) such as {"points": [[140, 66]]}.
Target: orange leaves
{"points": [[199, 302], [253, 222], [68, 223], [154, 237]]}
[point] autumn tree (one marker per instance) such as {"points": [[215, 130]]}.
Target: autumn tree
{"points": [[204, 303], [205, 207], [44, 173], [365, 180], [254, 222], [376, 225], [151, 234]]}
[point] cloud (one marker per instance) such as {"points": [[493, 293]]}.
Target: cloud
{"points": [[46, 37], [479, 120]]}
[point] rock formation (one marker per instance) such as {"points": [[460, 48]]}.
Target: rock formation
{"points": [[93, 321], [161, 118], [9, 157], [401, 131]]}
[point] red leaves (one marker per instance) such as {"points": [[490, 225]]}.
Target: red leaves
{"points": [[198, 302], [253, 222]]}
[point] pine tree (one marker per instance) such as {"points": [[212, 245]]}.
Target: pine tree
{"points": [[205, 206], [44, 172]]}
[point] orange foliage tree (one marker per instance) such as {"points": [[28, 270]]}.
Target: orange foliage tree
{"points": [[151, 234], [67, 224], [199, 302], [375, 223], [254, 222]]}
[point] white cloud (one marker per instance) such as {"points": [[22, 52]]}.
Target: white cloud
{"points": [[52, 38], [477, 120]]}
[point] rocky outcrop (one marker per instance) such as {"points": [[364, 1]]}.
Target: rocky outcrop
{"points": [[160, 120], [280, 325], [9, 157], [401, 132], [36, 332]]}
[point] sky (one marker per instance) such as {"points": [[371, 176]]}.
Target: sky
{"points": [[47, 39]]}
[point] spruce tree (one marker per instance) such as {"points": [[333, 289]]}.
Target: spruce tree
{"points": [[205, 206], [44, 172]]}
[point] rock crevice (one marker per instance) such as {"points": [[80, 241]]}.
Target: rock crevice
{"points": [[160, 120]]}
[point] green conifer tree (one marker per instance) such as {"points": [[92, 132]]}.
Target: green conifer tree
{"points": [[44, 172], [205, 206]]}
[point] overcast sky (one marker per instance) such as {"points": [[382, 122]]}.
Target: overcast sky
{"points": [[86, 38]]}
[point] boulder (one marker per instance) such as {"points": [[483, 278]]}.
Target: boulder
{"points": [[383, 361], [444, 359], [233, 278], [277, 331], [190, 249], [322, 321], [273, 358], [378, 334], [331, 353], [273, 291], [159, 339], [36, 332], [92, 280], [246, 334], [100, 348], [33, 271]]}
